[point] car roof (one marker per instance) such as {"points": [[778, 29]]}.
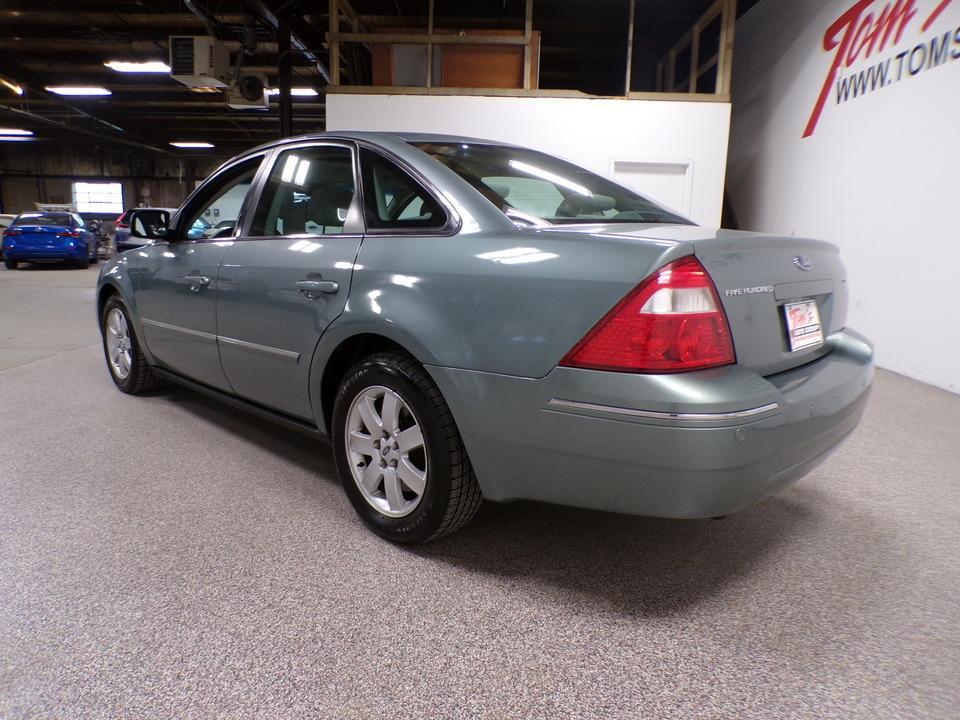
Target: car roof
{"points": [[375, 137]]}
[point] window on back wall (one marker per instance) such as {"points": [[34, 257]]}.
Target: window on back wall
{"points": [[98, 197]]}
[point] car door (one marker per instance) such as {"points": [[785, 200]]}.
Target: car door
{"points": [[287, 276], [177, 279]]}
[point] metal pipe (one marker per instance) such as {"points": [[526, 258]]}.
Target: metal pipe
{"points": [[626, 88], [430, 45], [285, 79]]}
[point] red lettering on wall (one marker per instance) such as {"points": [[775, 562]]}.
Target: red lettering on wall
{"points": [[853, 35], [935, 14]]}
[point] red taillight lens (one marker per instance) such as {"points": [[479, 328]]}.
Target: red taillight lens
{"points": [[69, 233], [672, 322], [10, 232], [121, 222]]}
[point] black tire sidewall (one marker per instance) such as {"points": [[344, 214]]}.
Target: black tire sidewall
{"points": [[423, 522]]}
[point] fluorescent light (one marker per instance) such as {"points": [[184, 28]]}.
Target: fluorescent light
{"points": [[12, 86], [77, 90], [148, 66], [186, 144], [299, 91], [15, 131], [14, 138]]}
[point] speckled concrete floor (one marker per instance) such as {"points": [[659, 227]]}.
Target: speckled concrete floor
{"points": [[163, 557]]}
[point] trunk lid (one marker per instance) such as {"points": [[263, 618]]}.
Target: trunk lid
{"points": [[42, 235], [757, 276]]}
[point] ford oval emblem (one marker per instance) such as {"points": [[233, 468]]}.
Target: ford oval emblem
{"points": [[803, 262]]}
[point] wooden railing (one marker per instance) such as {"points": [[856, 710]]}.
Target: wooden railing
{"points": [[722, 60], [428, 38]]}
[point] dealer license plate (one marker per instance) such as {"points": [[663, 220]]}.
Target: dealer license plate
{"points": [[803, 324]]}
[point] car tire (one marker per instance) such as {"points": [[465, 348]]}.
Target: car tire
{"points": [[10, 264], [449, 495], [139, 377]]}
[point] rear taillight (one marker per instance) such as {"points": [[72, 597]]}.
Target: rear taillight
{"points": [[671, 322], [121, 222], [10, 232], [69, 233]]}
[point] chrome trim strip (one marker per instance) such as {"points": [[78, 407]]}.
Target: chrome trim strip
{"points": [[178, 329], [687, 417], [285, 354], [277, 352]]}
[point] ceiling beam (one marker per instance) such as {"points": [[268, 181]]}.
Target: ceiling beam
{"points": [[109, 128], [302, 36]]}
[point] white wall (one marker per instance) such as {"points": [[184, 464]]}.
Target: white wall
{"points": [[674, 152], [879, 175]]}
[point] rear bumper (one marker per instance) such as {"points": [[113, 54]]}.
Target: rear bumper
{"points": [[685, 446], [29, 254]]}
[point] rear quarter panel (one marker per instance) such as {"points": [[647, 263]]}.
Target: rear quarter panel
{"points": [[510, 302]]}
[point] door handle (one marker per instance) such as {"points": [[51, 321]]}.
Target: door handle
{"points": [[196, 282], [314, 288]]}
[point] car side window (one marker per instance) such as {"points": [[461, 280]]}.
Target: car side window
{"points": [[309, 192], [223, 202], [395, 201]]}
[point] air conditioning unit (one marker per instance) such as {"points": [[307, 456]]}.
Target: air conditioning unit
{"points": [[199, 61], [249, 93]]}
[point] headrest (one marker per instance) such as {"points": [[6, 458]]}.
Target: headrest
{"points": [[329, 204]]}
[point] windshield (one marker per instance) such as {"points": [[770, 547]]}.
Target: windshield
{"points": [[543, 188], [44, 219]]}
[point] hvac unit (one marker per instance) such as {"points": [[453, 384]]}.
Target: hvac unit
{"points": [[249, 93], [199, 61]]}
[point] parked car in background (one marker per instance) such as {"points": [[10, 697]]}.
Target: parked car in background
{"points": [[49, 236], [464, 319], [122, 237], [5, 220]]}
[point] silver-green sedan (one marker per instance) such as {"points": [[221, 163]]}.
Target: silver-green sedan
{"points": [[465, 319]]}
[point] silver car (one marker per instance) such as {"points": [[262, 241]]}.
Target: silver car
{"points": [[464, 319]]}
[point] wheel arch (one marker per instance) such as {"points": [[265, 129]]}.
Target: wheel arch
{"points": [[334, 362], [104, 292]]}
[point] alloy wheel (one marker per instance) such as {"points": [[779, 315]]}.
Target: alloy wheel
{"points": [[118, 344], [386, 451]]}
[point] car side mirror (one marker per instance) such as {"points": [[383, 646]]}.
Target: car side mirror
{"points": [[149, 224]]}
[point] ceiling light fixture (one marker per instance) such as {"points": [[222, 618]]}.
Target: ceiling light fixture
{"points": [[77, 90], [14, 131], [147, 66], [14, 138], [16, 89], [299, 92], [190, 144]]}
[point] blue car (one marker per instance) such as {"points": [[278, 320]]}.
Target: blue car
{"points": [[48, 236]]}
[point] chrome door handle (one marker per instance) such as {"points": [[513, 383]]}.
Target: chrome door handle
{"points": [[314, 288], [196, 282]]}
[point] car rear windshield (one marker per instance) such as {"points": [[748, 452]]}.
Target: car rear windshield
{"points": [[533, 186], [44, 219]]}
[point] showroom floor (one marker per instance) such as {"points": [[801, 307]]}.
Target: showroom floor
{"points": [[164, 557]]}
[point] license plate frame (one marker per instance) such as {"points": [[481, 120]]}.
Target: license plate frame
{"points": [[804, 328]]}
